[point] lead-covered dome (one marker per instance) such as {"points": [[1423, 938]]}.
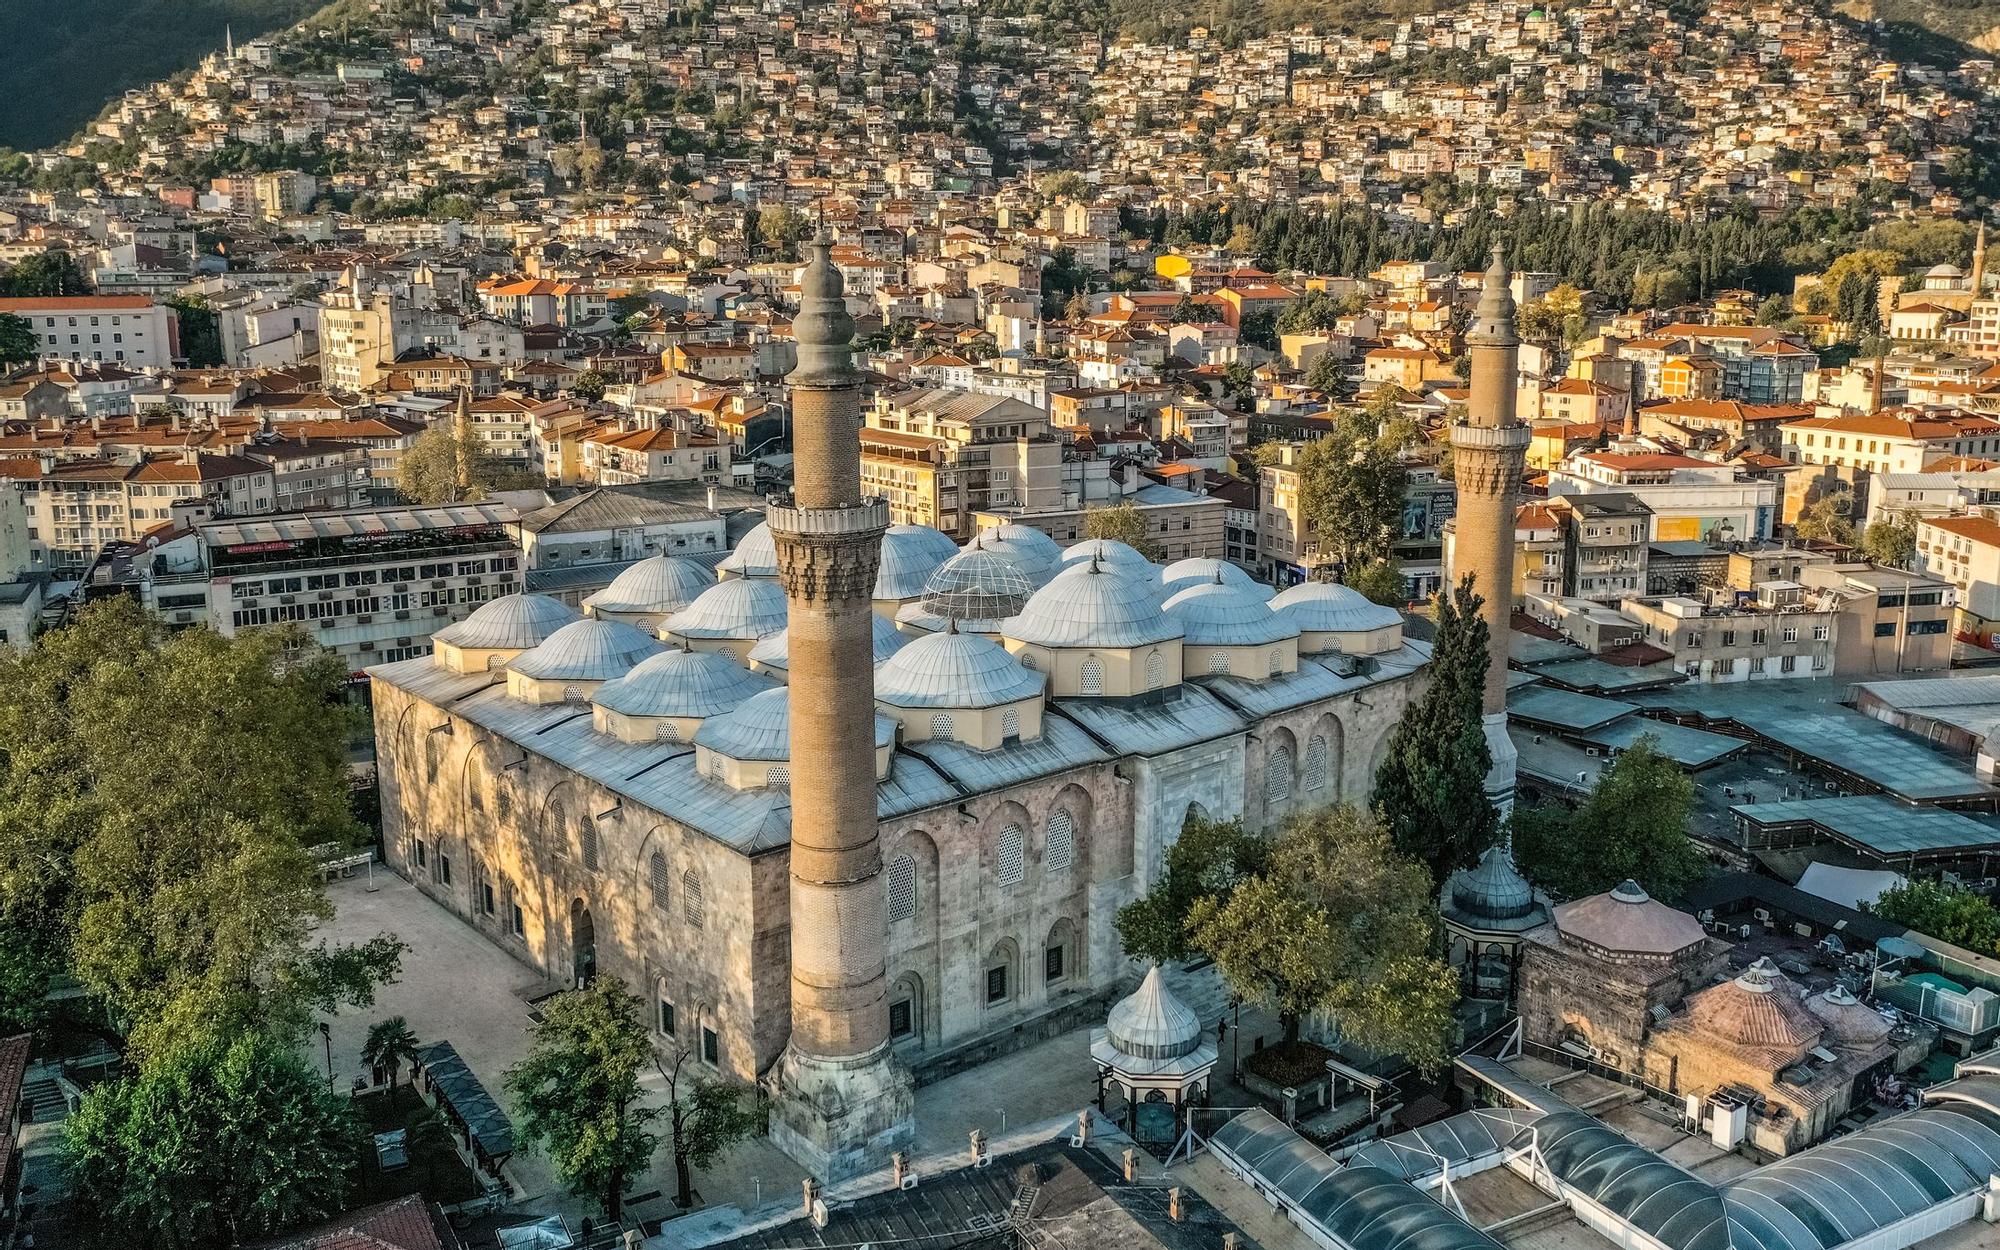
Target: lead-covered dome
{"points": [[910, 555], [1332, 617], [1108, 551], [755, 556], [1091, 605], [773, 651], [750, 745], [509, 623], [586, 650], [729, 615], [1221, 614], [688, 685], [1037, 562], [1201, 570], [1493, 894], [1151, 1023], [655, 587], [953, 670]]}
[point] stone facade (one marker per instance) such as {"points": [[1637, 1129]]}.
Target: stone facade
{"points": [[1581, 995]]}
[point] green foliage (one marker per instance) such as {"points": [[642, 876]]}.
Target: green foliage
{"points": [[1891, 541], [704, 1117], [201, 337], [1382, 581], [211, 1143], [1949, 913], [44, 274], [388, 1046], [589, 385], [1207, 861], [1431, 786], [447, 464], [1121, 522], [1633, 826], [175, 884], [18, 345], [1827, 518], [1324, 376], [578, 1091], [1259, 329], [1351, 493], [1337, 922]]}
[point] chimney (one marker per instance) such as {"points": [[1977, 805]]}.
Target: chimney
{"points": [[1229, 1241], [711, 499], [811, 1188], [1083, 1127], [1131, 1165], [1174, 1204], [901, 1166], [174, 420], [978, 1138]]}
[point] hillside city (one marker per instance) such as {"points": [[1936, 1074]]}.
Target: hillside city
{"points": [[1397, 621]]}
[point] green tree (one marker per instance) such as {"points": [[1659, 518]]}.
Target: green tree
{"points": [[1259, 329], [1891, 541], [448, 464], [1189, 311], [18, 345], [1382, 582], [1431, 786], [182, 896], [1351, 493], [201, 337], [1827, 518], [45, 274], [1774, 310], [588, 385], [578, 1091], [426, 1136], [780, 227], [1632, 827], [1064, 184], [1949, 913], [704, 1118], [388, 1046], [1324, 375], [211, 1144], [1206, 861], [1337, 922], [1121, 522], [1555, 317]]}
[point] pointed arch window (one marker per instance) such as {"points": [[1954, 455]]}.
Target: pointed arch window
{"points": [[657, 881], [902, 885], [1316, 761], [1156, 670], [1091, 682], [1278, 776], [693, 907], [1059, 850], [1011, 857]]}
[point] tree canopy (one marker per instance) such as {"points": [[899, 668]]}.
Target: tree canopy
{"points": [[45, 274], [1336, 922], [1431, 786], [1123, 523], [1206, 861], [1633, 826], [1827, 518], [1891, 541], [1351, 491], [18, 344], [1950, 913], [704, 1118]]}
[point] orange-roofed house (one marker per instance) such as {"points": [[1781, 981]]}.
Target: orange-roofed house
{"points": [[540, 302], [1903, 441], [1407, 367], [1581, 400], [1691, 377], [1691, 500]]}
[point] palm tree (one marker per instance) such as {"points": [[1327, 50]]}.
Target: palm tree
{"points": [[388, 1045]]}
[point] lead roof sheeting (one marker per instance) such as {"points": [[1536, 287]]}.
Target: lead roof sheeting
{"points": [[1061, 747], [1804, 716], [1314, 680], [456, 1084], [1880, 823], [1188, 716], [1566, 709], [1914, 693]]}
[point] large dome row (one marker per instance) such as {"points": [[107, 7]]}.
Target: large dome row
{"points": [[967, 641]]}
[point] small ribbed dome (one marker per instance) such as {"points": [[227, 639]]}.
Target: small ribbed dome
{"points": [[974, 585], [755, 556], [910, 554], [1329, 608], [586, 650], [1028, 538], [509, 623], [740, 608], [1108, 551], [680, 683], [1151, 1023], [774, 649], [655, 584], [760, 728], [1847, 1019], [956, 671], [1201, 570], [1038, 563], [1493, 889], [1219, 614], [1760, 1009], [1092, 606]]}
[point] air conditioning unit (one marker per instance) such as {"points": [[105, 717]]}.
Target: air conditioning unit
{"points": [[403, 614], [1591, 752]]}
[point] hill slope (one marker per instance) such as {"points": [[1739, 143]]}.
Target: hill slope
{"points": [[66, 59]]}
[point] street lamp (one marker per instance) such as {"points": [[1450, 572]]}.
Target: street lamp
{"points": [[326, 1035]]}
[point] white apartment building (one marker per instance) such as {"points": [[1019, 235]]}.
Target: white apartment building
{"points": [[1890, 442], [129, 330], [1691, 500]]}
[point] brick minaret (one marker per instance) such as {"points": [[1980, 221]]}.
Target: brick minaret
{"points": [[845, 1102], [1488, 450]]}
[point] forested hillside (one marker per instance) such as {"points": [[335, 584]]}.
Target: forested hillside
{"points": [[65, 59]]}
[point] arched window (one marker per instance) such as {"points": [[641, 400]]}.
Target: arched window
{"points": [[667, 731], [1027, 659], [572, 694], [1011, 857], [1277, 663], [1059, 849], [692, 907], [1010, 723], [1156, 670], [779, 777], [657, 879], [433, 756], [1278, 776], [503, 800], [1316, 759], [1218, 663], [1092, 680], [941, 727], [555, 829], [590, 847], [902, 874]]}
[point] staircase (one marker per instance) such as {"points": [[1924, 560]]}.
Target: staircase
{"points": [[44, 1098]]}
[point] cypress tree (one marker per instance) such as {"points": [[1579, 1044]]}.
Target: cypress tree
{"points": [[1431, 785]]}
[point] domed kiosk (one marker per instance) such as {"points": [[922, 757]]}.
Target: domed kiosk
{"points": [[1486, 908], [1154, 1058]]}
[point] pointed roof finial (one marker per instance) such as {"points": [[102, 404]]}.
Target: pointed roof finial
{"points": [[1493, 320]]}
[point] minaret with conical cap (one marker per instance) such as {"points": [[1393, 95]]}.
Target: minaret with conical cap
{"points": [[1977, 282], [1489, 449], [844, 1101]]}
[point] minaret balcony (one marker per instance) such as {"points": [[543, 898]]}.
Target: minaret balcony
{"points": [[785, 517], [1491, 437]]}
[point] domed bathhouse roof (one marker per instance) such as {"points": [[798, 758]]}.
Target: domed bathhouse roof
{"points": [[738, 610], [1108, 551], [685, 684], [655, 586], [755, 556], [1335, 617], [1153, 1038], [509, 623], [1629, 921], [1759, 1010], [586, 650], [1038, 563], [1219, 613], [1092, 606], [976, 588], [771, 650], [910, 554], [954, 670], [1201, 570], [1848, 1020]]}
